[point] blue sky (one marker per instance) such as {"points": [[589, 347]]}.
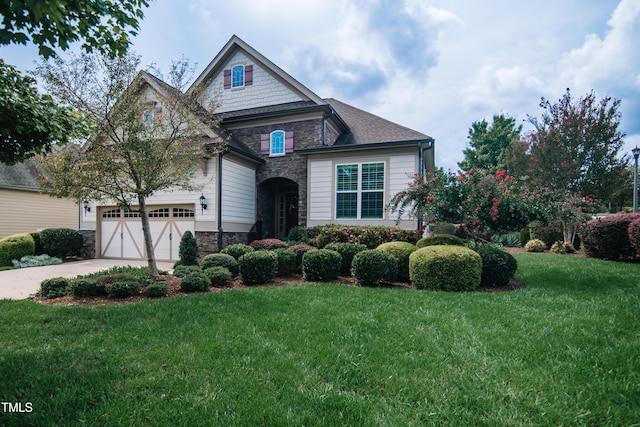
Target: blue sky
{"points": [[434, 66]]}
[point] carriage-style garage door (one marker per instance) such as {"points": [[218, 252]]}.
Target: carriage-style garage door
{"points": [[121, 232]]}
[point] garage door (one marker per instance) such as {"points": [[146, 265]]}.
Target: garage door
{"points": [[121, 232]]}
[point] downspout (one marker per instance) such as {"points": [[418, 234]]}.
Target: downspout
{"points": [[220, 202], [421, 164]]}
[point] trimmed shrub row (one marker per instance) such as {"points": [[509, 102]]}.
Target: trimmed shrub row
{"points": [[612, 237]]}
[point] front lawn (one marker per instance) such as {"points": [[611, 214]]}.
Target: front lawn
{"points": [[563, 350]]}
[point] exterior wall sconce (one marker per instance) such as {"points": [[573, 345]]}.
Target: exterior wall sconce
{"points": [[203, 203], [86, 206]]}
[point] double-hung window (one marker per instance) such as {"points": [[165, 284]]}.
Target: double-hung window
{"points": [[360, 190]]}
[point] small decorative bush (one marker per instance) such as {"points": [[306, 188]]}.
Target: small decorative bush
{"points": [[85, 287], [61, 242], [15, 247], [372, 266], [608, 237], [220, 260], [36, 239], [348, 251], [218, 276], [568, 248], [157, 289], [401, 252], [182, 270], [258, 267], [268, 244], [188, 250], [297, 234], [54, 288], [498, 266], [321, 265], [237, 250], [122, 289], [445, 268], [535, 245], [195, 282], [300, 249], [286, 261], [370, 236], [558, 248], [36, 261], [440, 239], [107, 279]]}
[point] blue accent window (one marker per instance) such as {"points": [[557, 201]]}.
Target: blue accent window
{"points": [[237, 76], [277, 143]]}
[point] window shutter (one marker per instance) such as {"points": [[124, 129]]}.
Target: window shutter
{"points": [[265, 143], [248, 75], [227, 79], [288, 142]]}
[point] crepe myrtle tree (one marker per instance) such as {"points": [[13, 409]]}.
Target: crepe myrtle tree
{"points": [[146, 136]]}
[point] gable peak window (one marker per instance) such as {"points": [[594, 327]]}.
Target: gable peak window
{"points": [[147, 117], [238, 76]]}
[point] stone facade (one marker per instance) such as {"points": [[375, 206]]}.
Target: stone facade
{"points": [[207, 241], [88, 249]]}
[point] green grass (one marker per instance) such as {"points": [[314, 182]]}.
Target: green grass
{"points": [[563, 351]]}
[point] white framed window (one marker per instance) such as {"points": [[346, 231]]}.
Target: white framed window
{"points": [[237, 76], [276, 143], [360, 191]]}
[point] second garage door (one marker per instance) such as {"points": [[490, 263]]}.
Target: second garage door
{"points": [[121, 232]]}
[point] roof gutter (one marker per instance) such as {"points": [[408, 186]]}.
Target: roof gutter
{"points": [[373, 146]]}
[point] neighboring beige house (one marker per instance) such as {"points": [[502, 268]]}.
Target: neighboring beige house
{"points": [[23, 208], [293, 158]]}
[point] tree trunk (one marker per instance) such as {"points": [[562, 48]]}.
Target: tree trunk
{"points": [[148, 241]]}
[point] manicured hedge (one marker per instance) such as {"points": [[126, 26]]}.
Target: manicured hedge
{"points": [[371, 267], [61, 242], [321, 265], [608, 237], [370, 236], [440, 239], [401, 252], [220, 260], [258, 267], [15, 247], [498, 266], [445, 268], [347, 251], [267, 244], [237, 250]]}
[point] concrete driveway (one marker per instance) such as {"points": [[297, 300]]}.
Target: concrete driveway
{"points": [[23, 282]]}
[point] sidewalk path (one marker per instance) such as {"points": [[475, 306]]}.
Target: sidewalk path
{"points": [[23, 282]]}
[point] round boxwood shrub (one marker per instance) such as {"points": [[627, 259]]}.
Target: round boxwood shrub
{"points": [[498, 266], [218, 276], [54, 287], [321, 265], [195, 281], [348, 251], [535, 245], [401, 252], [237, 250], [122, 289], [445, 268], [300, 249], [440, 239], [85, 287], [286, 261], [182, 270], [188, 250], [15, 247], [61, 242], [258, 267], [157, 289], [372, 266], [220, 260]]}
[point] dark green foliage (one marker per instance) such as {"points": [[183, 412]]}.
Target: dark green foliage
{"points": [[498, 266], [61, 242], [370, 236], [286, 261], [195, 282], [634, 235], [372, 266], [321, 265], [220, 260], [218, 276], [54, 288], [122, 289], [401, 252], [15, 247], [297, 234], [85, 287], [300, 249], [548, 233], [348, 251], [442, 228], [183, 270], [608, 237], [440, 239], [188, 249], [258, 267], [237, 250], [268, 244], [106, 279], [445, 268], [157, 289], [36, 239]]}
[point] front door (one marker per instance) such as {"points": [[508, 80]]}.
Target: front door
{"points": [[286, 212]]}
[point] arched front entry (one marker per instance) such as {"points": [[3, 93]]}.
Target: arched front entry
{"points": [[278, 207]]}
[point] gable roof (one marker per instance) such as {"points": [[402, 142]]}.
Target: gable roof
{"points": [[234, 44], [21, 176]]}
